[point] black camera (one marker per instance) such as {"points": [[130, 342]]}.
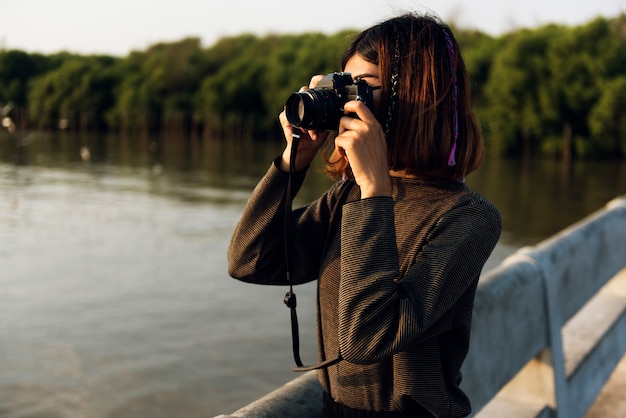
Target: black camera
{"points": [[320, 109]]}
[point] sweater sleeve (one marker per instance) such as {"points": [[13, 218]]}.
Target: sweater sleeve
{"points": [[381, 313], [256, 253]]}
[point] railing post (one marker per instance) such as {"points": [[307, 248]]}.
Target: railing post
{"points": [[555, 339]]}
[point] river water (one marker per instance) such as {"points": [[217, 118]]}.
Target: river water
{"points": [[114, 295]]}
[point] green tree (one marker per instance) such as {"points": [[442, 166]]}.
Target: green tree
{"points": [[231, 88], [607, 120], [17, 69], [516, 100], [583, 60], [78, 92], [157, 86]]}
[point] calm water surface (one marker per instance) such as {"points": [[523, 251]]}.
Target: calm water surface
{"points": [[114, 295]]}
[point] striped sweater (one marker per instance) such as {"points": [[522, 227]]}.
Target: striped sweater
{"points": [[396, 283]]}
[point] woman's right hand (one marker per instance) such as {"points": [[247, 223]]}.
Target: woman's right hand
{"points": [[310, 141]]}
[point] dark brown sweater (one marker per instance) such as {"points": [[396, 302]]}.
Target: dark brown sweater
{"points": [[397, 278]]}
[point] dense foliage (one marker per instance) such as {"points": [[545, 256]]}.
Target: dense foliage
{"points": [[553, 90]]}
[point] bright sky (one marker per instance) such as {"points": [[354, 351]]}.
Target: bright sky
{"points": [[117, 27]]}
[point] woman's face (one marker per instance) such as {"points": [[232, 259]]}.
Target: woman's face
{"points": [[359, 68]]}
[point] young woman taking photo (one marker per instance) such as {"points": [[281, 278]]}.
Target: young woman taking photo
{"points": [[398, 242]]}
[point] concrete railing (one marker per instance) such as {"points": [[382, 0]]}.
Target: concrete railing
{"points": [[549, 327]]}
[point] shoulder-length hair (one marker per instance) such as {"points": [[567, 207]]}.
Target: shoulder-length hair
{"points": [[425, 106]]}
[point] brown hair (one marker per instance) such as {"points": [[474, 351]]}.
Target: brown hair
{"points": [[425, 102]]}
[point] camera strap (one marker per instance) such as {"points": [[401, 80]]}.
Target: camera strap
{"points": [[290, 297]]}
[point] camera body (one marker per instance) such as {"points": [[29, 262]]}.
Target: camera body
{"points": [[320, 109]]}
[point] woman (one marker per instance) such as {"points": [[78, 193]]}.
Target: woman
{"points": [[397, 245]]}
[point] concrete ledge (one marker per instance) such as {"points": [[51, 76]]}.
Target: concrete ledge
{"points": [[301, 398]]}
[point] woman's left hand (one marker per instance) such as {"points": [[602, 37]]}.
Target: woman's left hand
{"points": [[362, 141]]}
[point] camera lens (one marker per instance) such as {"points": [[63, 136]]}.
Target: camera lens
{"points": [[314, 109], [296, 109]]}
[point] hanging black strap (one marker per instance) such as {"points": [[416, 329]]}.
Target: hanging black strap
{"points": [[290, 297]]}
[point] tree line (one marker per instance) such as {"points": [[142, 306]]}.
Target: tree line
{"points": [[553, 90]]}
